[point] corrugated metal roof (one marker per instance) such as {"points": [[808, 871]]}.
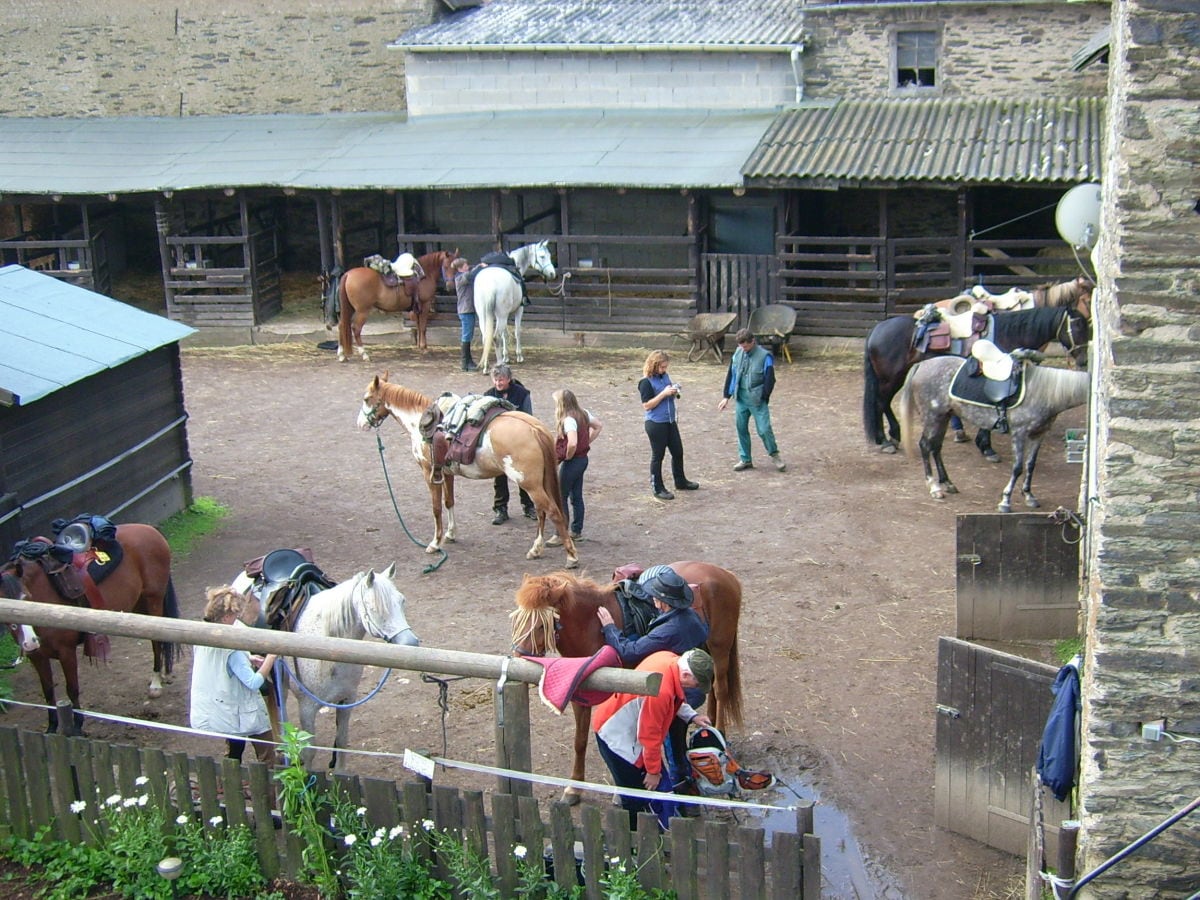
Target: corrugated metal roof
{"points": [[682, 24], [941, 140], [587, 148], [53, 334], [1095, 49]]}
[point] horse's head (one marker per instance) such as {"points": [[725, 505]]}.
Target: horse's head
{"points": [[374, 408], [446, 257], [1083, 287], [1074, 334], [381, 608], [535, 621], [540, 260], [12, 588]]}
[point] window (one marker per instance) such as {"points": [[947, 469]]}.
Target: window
{"points": [[916, 59]]}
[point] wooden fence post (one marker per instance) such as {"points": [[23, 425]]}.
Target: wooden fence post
{"points": [[512, 737]]}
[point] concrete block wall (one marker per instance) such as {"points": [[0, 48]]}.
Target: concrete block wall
{"points": [[1007, 51], [205, 57], [470, 82], [1143, 561]]}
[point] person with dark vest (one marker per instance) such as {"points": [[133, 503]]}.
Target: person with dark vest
{"points": [[508, 388], [464, 287], [678, 628], [749, 383], [575, 429]]}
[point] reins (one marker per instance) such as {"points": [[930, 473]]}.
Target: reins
{"points": [[432, 567]]}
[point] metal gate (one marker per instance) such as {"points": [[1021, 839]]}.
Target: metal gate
{"points": [[991, 710], [1017, 577]]}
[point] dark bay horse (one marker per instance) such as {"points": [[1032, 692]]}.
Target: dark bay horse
{"points": [[926, 406], [557, 614], [362, 289], [513, 444], [141, 583], [889, 354]]}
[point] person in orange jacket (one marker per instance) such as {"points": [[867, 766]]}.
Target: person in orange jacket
{"points": [[631, 729]]}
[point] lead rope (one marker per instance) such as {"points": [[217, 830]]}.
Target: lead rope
{"points": [[443, 701], [432, 567]]}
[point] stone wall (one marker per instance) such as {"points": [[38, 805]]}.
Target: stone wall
{"points": [[1143, 559], [1002, 51], [205, 57]]}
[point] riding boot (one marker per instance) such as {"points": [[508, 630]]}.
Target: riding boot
{"points": [[468, 364]]}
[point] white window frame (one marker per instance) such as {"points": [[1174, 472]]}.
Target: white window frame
{"points": [[896, 32]]}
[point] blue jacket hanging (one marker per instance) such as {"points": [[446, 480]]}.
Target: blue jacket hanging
{"points": [[1058, 756]]}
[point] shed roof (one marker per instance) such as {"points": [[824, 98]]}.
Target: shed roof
{"points": [[53, 334], [365, 151], [938, 140], [632, 24]]}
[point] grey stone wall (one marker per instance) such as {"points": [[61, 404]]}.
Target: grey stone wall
{"points": [[1005, 51], [205, 57], [1143, 559]]}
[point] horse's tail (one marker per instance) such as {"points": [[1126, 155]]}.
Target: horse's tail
{"points": [[909, 425], [731, 709], [170, 610], [550, 472], [872, 414], [344, 318]]}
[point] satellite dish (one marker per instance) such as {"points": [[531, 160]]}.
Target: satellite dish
{"points": [[1077, 216]]}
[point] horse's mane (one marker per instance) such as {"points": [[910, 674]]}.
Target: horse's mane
{"points": [[401, 396], [10, 586], [543, 598], [341, 617], [1066, 292], [1057, 388]]}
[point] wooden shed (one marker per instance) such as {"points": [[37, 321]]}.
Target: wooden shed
{"points": [[92, 416]]}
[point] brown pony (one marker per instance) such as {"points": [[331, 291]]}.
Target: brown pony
{"points": [[557, 614], [1075, 294], [513, 444], [362, 290], [141, 583]]}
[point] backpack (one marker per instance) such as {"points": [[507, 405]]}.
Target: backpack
{"points": [[712, 768]]}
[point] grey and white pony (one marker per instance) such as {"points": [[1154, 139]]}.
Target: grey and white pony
{"points": [[498, 295], [367, 604], [926, 406]]}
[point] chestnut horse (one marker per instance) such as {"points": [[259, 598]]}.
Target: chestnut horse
{"points": [[362, 290], [557, 614], [514, 444], [141, 583]]}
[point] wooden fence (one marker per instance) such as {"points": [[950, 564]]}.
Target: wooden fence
{"points": [[43, 774]]}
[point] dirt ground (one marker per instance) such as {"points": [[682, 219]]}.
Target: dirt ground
{"points": [[847, 564]]}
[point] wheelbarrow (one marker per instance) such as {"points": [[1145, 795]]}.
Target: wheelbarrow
{"points": [[772, 326], [706, 333]]}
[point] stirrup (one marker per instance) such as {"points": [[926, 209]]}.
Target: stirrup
{"points": [[437, 475], [1000, 426]]}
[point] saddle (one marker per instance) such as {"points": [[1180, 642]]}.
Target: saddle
{"points": [[283, 581], [971, 386], [500, 260], [455, 432], [383, 266], [939, 332]]}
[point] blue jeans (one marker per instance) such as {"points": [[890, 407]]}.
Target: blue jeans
{"points": [[570, 479], [762, 424], [626, 774], [466, 322]]}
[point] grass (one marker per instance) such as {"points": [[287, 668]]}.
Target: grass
{"points": [[185, 529], [1067, 648], [8, 655]]}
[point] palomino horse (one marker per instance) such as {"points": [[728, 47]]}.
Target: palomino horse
{"points": [[514, 444], [926, 406], [367, 604], [362, 290], [1075, 294], [141, 583], [498, 295], [889, 354], [557, 614]]}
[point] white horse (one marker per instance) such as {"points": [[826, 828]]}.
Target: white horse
{"points": [[498, 295], [368, 603]]}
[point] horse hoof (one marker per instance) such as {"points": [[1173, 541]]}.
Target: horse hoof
{"points": [[432, 548], [991, 456], [154, 693], [571, 797], [572, 563], [949, 488], [1003, 507], [1032, 503], [937, 495], [887, 448], [534, 554], [960, 437]]}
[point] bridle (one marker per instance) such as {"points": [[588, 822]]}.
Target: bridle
{"points": [[375, 415]]}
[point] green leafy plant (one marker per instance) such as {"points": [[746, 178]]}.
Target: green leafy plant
{"points": [[469, 871], [218, 861], [9, 653], [619, 882], [382, 862], [184, 529], [533, 883], [306, 811], [1067, 649]]}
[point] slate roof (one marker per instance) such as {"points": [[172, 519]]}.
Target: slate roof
{"points": [[1095, 50], [633, 24], [587, 148], [861, 142], [53, 334]]}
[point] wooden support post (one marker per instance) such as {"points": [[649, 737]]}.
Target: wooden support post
{"points": [[162, 224], [512, 737]]}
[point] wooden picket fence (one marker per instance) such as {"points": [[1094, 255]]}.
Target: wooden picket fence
{"points": [[41, 775]]}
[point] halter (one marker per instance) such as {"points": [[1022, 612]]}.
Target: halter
{"points": [[373, 416], [543, 616], [1069, 340], [372, 626]]}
